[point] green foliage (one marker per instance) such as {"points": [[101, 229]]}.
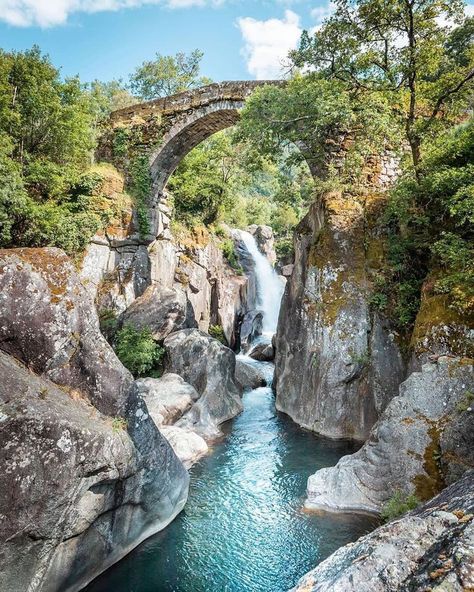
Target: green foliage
{"points": [[119, 424], [120, 142], [284, 248], [432, 219], [379, 301], [398, 505], [223, 181], [47, 134], [228, 249], [360, 358], [108, 323], [402, 51], [167, 75], [200, 184], [107, 97], [137, 350], [217, 332], [312, 112]]}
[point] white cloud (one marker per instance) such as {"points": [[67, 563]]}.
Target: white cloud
{"points": [[48, 13], [267, 43], [321, 13]]}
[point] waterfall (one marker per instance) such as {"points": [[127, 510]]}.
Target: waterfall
{"points": [[269, 285]]}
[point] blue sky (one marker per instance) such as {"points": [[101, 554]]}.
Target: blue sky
{"points": [[105, 39]]}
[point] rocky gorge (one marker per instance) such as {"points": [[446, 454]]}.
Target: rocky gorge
{"points": [[107, 451], [115, 450], [277, 419]]}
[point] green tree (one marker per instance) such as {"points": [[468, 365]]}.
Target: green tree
{"points": [[402, 49], [47, 136], [200, 184], [311, 113], [434, 218], [107, 97], [167, 75], [48, 121]]}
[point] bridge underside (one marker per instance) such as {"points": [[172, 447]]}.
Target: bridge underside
{"points": [[186, 135]]}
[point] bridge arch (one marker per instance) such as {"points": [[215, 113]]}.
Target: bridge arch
{"points": [[186, 119], [187, 134]]}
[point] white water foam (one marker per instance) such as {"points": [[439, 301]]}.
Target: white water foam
{"points": [[269, 285]]}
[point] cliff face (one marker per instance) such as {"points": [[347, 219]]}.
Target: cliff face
{"points": [[89, 474], [337, 362], [120, 265]]}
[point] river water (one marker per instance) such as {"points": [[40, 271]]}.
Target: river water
{"points": [[243, 528]]}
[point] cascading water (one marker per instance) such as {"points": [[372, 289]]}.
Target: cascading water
{"points": [[269, 285]]}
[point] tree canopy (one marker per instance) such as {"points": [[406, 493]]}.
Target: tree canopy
{"points": [[167, 75], [404, 49]]}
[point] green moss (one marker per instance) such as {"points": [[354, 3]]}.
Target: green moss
{"points": [[140, 189], [217, 332], [466, 403], [430, 483], [119, 424], [434, 315]]}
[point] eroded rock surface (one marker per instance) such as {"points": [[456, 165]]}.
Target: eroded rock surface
{"points": [[431, 548], [421, 434], [86, 474], [337, 364], [263, 352], [265, 240], [162, 310], [79, 489], [167, 399], [210, 367], [48, 321], [248, 375]]}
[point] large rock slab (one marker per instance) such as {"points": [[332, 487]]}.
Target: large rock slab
{"points": [[263, 352], [210, 367], [337, 362], [78, 489], [188, 446], [249, 375], [167, 398], [251, 328], [431, 548], [48, 321], [162, 310], [410, 449], [265, 240]]}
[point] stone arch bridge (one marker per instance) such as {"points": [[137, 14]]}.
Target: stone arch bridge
{"points": [[168, 128]]}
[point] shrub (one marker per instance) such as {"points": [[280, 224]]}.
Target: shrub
{"points": [[398, 505], [228, 249], [379, 301], [137, 350], [108, 322], [217, 332], [284, 248]]}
